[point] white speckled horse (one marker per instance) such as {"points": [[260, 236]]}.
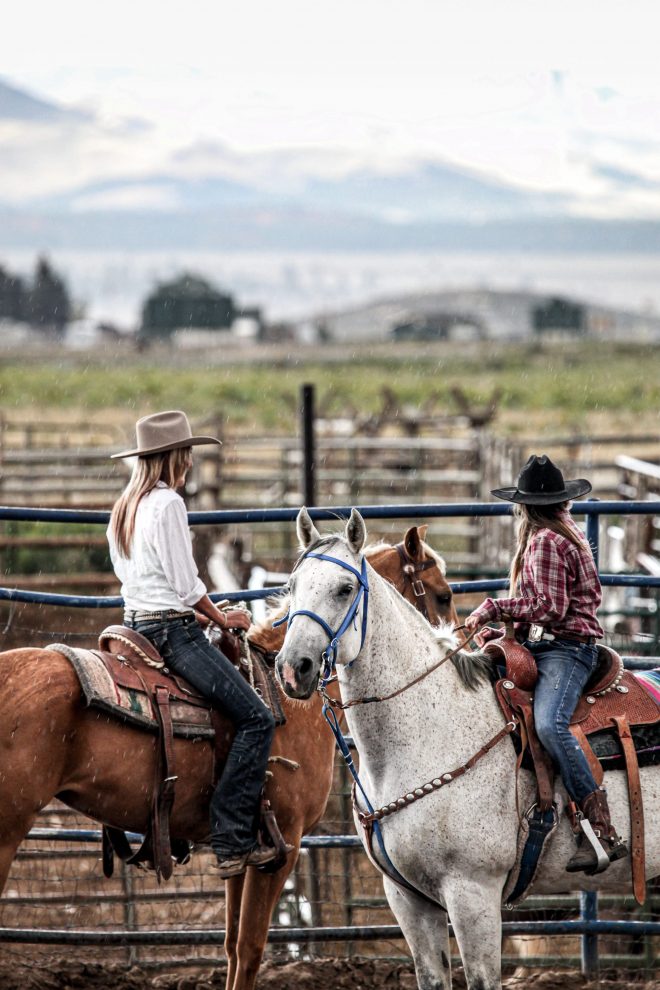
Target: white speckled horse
{"points": [[457, 844]]}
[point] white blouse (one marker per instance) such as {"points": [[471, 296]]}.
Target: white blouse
{"points": [[161, 573]]}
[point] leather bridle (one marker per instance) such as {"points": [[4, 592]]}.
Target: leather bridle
{"points": [[411, 569]]}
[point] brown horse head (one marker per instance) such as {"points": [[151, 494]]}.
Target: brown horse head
{"points": [[418, 573]]}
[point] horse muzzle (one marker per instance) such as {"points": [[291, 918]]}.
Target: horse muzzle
{"points": [[298, 676]]}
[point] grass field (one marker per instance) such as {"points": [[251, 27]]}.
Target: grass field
{"points": [[544, 385]]}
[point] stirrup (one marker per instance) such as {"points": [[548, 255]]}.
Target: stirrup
{"points": [[602, 859], [588, 841]]}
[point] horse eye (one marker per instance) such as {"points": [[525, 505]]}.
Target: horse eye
{"points": [[444, 599], [345, 590]]}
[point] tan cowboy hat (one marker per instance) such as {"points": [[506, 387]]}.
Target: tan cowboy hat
{"points": [[163, 431]]}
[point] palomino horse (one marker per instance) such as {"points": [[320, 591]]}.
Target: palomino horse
{"points": [[454, 843], [52, 745]]}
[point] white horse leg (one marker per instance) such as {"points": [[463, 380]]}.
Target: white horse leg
{"points": [[475, 914], [425, 930]]}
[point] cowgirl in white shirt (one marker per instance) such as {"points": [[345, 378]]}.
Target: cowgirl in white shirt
{"points": [[151, 553]]}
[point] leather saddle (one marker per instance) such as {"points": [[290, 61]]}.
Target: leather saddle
{"points": [[614, 702], [137, 668]]}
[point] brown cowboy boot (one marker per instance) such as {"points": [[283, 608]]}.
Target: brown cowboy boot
{"points": [[234, 866], [596, 812]]}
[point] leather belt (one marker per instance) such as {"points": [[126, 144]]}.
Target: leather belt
{"points": [[166, 615], [572, 637]]}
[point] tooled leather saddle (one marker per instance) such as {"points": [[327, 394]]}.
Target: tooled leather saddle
{"points": [[127, 678], [616, 723]]}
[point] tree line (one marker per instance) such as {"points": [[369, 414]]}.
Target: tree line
{"points": [[42, 301]]}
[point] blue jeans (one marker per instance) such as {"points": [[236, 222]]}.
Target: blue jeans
{"points": [[235, 801], [564, 668]]}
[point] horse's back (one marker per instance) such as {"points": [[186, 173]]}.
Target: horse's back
{"points": [[31, 676]]}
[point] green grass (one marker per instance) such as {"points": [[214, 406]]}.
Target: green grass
{"points": [[574, 377]]}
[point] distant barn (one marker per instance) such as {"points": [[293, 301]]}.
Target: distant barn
{"points": [[559, 314], [187, 301], [438, 326]]}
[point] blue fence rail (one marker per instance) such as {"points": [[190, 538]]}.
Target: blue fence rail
{"points": [[592, 509], [589, 927]]}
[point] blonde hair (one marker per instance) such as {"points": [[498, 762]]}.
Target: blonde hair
{"points": [[531, 518], [168, 467]]}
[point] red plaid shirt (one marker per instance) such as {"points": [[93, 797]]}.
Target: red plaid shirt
{"points": [[559, 588]]}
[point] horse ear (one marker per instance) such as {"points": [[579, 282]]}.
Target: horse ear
{"points": [[412, 541], [356, 531], [306, 530]]}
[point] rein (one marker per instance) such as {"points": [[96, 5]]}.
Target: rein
{"points": [[371, 699]]}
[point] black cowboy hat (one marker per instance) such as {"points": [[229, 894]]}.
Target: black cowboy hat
{"points": [[541, 483]]}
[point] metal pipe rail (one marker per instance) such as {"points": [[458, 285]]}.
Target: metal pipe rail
{"points": [[592, 509], [279, 936], [458, 587], [95, 835], [409, 510]]}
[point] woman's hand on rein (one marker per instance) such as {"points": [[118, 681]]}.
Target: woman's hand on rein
{"points": [[472, 623], [236, 619]]}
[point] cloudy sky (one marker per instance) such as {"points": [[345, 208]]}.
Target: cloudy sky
{"points": [[552, 97]]}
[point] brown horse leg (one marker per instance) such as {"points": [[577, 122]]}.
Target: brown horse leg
{"points": [[10, 844], [260, 895], [233, 898]]}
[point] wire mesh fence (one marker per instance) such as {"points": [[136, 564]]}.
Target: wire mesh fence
{"points": [[56, 885], [60, 885]]}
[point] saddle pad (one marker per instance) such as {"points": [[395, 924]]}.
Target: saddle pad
{"points": [[115, 688], [650, 680], [607, 748]]}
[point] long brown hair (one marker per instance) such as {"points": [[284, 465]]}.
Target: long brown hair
{"points": [[531, 518], [147, 472]]}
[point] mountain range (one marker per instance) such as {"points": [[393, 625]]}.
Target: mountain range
{"points": [[58, 190]]}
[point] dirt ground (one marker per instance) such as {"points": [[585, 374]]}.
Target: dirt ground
{"points": [[339, 974]]}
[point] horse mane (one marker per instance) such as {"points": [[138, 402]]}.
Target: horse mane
{"points": [[440, 561], [473, 669]]}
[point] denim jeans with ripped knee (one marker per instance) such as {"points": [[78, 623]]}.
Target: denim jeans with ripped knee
{"points": [[564, 668]]}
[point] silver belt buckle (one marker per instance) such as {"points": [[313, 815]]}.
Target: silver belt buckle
{"points": [[535, 633]]}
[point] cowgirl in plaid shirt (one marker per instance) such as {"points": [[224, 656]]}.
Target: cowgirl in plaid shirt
{"points": [[554, 595]]}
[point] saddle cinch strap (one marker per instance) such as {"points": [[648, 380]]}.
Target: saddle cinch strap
{"points": [[157, 849], [613, 700]]}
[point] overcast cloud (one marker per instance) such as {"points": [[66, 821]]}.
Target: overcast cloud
{"points": [[558, 97]]}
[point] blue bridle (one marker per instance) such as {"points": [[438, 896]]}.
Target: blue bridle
{"points": [[329, 655]]}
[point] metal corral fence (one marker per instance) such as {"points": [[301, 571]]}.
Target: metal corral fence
{"points": [[301, 930]]}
